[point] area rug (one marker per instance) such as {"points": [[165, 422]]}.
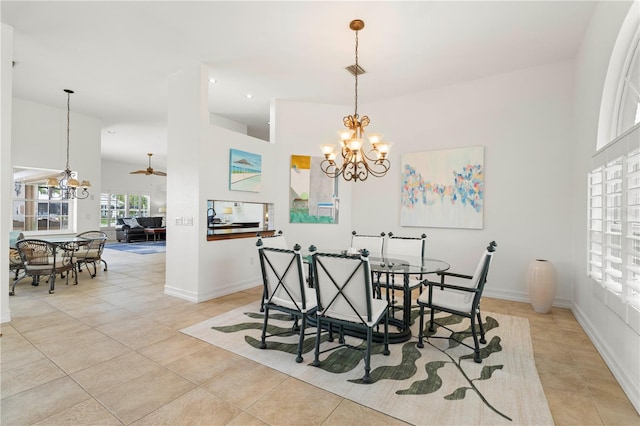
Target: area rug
{"points": [[439, 384], [142, 247]]}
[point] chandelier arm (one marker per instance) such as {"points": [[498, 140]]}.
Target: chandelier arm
{"points": [[380, 168], [327, 167]]}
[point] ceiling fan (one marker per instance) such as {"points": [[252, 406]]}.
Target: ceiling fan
{"points": [[149, 170]]}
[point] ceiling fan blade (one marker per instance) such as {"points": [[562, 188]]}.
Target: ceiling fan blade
{"points": [[149, 170]]}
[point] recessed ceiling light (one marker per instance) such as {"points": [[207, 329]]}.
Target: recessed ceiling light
{"points": [[213, 80], [249, 96]]}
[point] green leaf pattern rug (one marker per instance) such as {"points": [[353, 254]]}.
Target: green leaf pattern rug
{"points": [[438, 384]]}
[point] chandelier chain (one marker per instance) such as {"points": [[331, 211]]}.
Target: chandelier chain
{"points": [[68, 126], [357, 72]]}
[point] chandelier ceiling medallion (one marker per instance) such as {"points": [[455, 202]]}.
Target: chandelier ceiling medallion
{"points": [[357, 164], [67, 186]]}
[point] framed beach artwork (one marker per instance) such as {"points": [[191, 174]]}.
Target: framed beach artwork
{"points": [[313, 196], [245, 171], [443, 189]]}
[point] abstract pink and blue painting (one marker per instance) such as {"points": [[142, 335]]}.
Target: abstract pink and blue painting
{"points": [[443, 189]]}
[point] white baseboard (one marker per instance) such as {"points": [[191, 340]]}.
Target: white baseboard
{"points": [[517, 296], [181, 294], [629, 385], [230, 289], [213, 294]]}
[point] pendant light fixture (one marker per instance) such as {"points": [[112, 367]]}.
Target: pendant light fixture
{"points": [[67, 186], [357, 164]]}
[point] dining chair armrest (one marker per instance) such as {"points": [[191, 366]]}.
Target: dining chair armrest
{"points": [[453, 274], [452, 286]]}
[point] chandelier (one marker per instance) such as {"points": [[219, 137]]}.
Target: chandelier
{"points": [[67, 186], [357, 164]]}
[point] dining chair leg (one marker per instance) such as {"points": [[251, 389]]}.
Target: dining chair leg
{"points": [[386, 334], [367, 357], [301, 339], [474, 333], [482, 339], [316, 352], [263, 343], [52, 283]]}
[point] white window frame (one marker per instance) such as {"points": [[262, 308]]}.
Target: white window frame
{"points": [[127, 207], [613, 242]]}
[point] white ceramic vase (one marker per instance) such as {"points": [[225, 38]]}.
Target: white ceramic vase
{"points": [[542, 284]]}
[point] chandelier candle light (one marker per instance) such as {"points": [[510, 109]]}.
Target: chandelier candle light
{"points": [[67, 184], [356, 163]]}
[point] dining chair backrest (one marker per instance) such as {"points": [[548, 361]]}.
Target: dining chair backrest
{"points": [[373, 243], [41, 256], [94, 246], [479, 278], [274, 241], [343, 287], [407, 246], [284, 278]]}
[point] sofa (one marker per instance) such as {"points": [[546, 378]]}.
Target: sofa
{"points": [[132, 228]]}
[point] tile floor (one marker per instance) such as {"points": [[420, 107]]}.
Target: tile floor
{"points": [[109, 352]]}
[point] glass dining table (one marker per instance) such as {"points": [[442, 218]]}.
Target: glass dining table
{"points": [[408, 267]]}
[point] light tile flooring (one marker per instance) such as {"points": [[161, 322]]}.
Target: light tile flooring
{"points": [[109, 352]]}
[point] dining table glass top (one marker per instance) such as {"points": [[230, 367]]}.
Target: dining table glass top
{"points": [[397, 264]]}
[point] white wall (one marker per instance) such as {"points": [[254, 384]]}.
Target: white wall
{"points": [[616, 342], [198, 170], [6, 175], [523, 120], [39, 140]]}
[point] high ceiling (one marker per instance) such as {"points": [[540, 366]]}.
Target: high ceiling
{"points": [[117, 56]]}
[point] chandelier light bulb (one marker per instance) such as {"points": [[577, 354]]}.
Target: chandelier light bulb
{"points": [[345, 134], [357, 163], [375, 138], [355, 144]]}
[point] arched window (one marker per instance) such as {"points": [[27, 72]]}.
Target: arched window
{"points": [[614, 182], [629, 102]]}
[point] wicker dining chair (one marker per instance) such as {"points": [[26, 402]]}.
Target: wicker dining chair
{"points": [[90, 252], [43, 258]]}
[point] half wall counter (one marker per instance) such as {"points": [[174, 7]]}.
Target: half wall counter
{"points": [[238, 219]]}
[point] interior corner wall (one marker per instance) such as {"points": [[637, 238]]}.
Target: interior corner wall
{"points": [[186, 169], [6, 176], [523, 121], [44, 146], [618, 344]]}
